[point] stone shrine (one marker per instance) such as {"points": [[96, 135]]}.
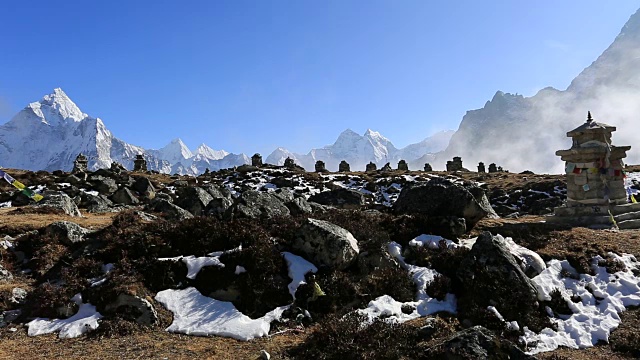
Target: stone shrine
{"points": [[481, 168], [427, 167], [493, 168], [139, 164], [344, 166], [386, 168], [320, 166], [455, 164], [403, 166], [596, 194], [256, 160], [80, 164], [371, 167]]}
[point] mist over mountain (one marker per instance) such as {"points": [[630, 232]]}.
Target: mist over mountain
{"points": [[523, 133]]}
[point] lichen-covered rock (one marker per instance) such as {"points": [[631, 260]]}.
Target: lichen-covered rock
{"points": [[59, 200], [135, 307], [193, 199], [254, 204], [68, 232], [326, 244], [476, 343], [343, 198], [124, 196]]}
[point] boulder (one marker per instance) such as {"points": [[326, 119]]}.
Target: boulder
{"points": [[254, 204], [476, 343], [217, 192], [491, 276], [193, 199], [299, 206], [96, 203], [103, 185], [5, 275], [217, 207], [441, 197], [59, 200], [171, 211], [135, 307], [144, 187], [69, 233], [326, 244], [124, 196], [343, 198]]}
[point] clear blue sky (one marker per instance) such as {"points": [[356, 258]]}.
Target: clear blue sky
{"points": [[249, 76]]}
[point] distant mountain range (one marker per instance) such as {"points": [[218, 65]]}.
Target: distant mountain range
{"points": [[50, 133]]}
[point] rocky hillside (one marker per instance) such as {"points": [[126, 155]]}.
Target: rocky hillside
{"points": [[298, 265]]}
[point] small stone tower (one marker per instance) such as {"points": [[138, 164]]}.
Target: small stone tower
{"points": [[427, 167], [344, 166], [481, 168], [371, 167], [455, 164], [256, 160], [139, 164], [289, 163], [320, 166], [403, 166], [80, 164], [493, 168]]}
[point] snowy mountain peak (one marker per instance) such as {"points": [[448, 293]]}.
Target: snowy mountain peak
{"points": [[176, 151], [56, 109], [205, 151]]}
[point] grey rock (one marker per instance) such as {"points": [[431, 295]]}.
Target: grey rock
{"points": [[68, 232], [476, 343], [59, 200], [326, 244], [343, 198], [218, 206], [124, 196], [193, 199], [299, 206], [492, 276], [104, 185], [144, 187], [441, 197], [147, 314], [96, 203], [18, 296], [72, 179], [254, 204], [284, 194], [171, 211]]}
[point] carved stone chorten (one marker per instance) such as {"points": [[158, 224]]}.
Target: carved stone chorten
{"points": [[371, 167], [455, 164], [481, 168], [427, 167], [596, 194]]}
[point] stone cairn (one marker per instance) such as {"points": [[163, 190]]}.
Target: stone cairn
{"points": [[596, 194], [455, 164], [403, 166], [139, 164], [493, 168], [117, 168], [80, 164], [344, 166], [289, 163], [386, 168], [256, 160], [481, 168], [371, 167], [427, 167], [320, 166]]}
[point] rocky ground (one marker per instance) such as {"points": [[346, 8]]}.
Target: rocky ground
{"points": [[142, 249]]}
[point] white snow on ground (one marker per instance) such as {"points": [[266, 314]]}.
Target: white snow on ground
{"points": [[602, 297], [5, 204], [432, 242], [298, 266], [85, 320], [195, 264], [391, 309], [195, 314]]}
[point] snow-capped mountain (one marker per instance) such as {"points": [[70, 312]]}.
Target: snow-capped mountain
{"points": [[523, 133], [50, 133], [359, 150]]}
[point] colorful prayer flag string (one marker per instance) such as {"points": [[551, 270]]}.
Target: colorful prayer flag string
{"points": [[20, 186]]}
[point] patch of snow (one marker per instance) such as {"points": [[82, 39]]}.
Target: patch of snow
{"points": [[432, 241], [240, 270], [196, 314], [195, 264], [602, 297], [298, 267], [85, 320], [5, 204]]}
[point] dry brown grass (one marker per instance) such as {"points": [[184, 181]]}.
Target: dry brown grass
{"points": [[12, 222]]}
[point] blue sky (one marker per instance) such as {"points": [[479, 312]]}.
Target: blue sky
{"points": [[248, 76]]}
